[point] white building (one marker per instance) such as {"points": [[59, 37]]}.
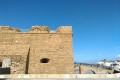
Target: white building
{"points": [[117, 62], [106, 64], [101, 63]]}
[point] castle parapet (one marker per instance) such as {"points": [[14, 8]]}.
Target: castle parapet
{"points": [[8, 29], [39, 29], [64, 29]]}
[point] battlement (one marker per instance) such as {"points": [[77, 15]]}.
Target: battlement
{"points": [[37, 29], [64, 29], [8, 29]]}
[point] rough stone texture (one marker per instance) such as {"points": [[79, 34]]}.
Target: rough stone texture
{"points": [[27, 49], [6, 62], [65, 29], [39, 29], [8, 29], [97, 70], [18, 56]]}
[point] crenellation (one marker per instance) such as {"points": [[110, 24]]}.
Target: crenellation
{"points": [[39, 29], [8, 29], [64, 29]]}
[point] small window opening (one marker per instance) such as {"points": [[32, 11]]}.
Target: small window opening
{"points": [[44, 60]]}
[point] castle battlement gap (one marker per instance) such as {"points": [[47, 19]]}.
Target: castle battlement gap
{"points": [[37, 29], [38, 51]]}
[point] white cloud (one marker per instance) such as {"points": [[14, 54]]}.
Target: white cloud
{"points": [[118, 56]]}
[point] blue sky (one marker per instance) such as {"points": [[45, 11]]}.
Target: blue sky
{"points": [[96, 23]]}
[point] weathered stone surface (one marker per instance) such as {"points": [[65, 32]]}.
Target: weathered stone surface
{"points": [[27, 49], [64, 29], [8, 29], [6, 62], [39, 29], [17, 55]]}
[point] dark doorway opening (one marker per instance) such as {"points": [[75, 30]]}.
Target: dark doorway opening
{"points": [[5, 70], [0, 64]]}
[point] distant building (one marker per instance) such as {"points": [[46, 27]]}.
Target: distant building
{"points": [[101, 63], [106, 63], [117, 62]]}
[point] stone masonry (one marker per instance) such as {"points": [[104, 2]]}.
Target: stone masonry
{"points": [[39, 51]]}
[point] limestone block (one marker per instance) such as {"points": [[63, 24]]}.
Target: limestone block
{"points": [[64, 29], [8, 29], [39, 29], [6, 62]]}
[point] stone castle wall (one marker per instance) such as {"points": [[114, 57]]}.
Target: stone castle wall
{"points": [[17, 54], [33, 46]]}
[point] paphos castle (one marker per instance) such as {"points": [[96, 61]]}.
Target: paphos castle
{"points": [[38, 51]]}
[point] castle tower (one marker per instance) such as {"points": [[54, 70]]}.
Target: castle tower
{"points": [[51, 52], [39, 51]]}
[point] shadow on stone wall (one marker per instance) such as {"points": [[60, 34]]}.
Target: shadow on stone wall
{"points": [[4, 70]]}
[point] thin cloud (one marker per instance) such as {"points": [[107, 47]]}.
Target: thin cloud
{"points": [[118, 56]]}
